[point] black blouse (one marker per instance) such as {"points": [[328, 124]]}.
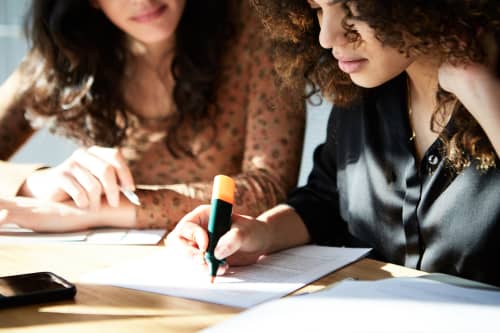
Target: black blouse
{"points": [[367, 189]]}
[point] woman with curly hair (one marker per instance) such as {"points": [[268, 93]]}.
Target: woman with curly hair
{"points": [[162, 95], [410, 163]]}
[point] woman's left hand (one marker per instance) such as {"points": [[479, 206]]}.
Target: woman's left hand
{"points": [[477, 87], [474, 84]]}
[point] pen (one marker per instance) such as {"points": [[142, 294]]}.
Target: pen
{"points": [[131, 196], [220, 219]]}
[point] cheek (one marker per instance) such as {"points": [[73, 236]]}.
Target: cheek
{"points": [[115, 14]]}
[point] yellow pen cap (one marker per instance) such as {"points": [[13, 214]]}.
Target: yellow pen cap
{"points": [[223, 188]]}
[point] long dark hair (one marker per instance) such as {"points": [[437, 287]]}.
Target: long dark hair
{"points": [[76, 67], [447, 28]]}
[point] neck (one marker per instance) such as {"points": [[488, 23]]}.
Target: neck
{"points": [[423, 82], [155, 55]]}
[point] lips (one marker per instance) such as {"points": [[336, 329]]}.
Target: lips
{"points": [[351, 65], [149, 14]]}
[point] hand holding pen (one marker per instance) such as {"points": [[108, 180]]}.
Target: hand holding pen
{"points": [[219, 222], [208, 239], [86, 176]]}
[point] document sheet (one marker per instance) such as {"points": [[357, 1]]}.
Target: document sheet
{"points": [[401, 305], [13, 234], [273, 276]]}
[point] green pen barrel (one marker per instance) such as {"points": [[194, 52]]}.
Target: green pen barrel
{"points": [[219, 222]]}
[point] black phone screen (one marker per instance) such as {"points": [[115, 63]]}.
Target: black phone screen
{"points": [[34, 288]]}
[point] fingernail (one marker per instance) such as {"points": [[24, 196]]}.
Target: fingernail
{"points": [[130, 188], [220, 253]]}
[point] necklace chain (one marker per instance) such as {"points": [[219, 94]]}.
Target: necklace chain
{"points": [[410, 110]]}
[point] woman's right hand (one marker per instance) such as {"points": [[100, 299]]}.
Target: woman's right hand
{"points": [[243, 244], [84, 177]]}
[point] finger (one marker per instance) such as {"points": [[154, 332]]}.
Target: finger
{"points": [[222, 269], [193, 235], [114, 157], [186, 247], [103, 171], [73, 188], [229, 243], [199, 216], [90, 183]]}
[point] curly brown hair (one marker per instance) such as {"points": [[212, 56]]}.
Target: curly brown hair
{"points": [[445, 28], [76, 67]]}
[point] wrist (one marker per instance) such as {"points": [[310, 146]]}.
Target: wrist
{"points": [[266, 234], [285, 229], [123, 216]]}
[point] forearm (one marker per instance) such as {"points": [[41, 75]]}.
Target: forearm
{"points": [[164, 206], [15, 129], [490, 122], [492, 130], [286, 228], [123, 216], [485, 106]]}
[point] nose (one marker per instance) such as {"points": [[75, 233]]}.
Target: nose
{"points": [[332, 34]]}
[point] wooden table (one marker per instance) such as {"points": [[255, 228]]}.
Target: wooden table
{"points": [[111, 309]]}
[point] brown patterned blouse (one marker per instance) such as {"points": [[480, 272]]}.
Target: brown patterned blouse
{"points": [[258, 140]]}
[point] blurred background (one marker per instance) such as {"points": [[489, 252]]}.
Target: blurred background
{"points": [[45, 148], [42, 147]]}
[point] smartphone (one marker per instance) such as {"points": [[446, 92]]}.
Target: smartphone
{"points": [[34, 288]]}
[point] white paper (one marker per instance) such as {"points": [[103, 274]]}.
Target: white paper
{"points": [[13, 234], [393, 305], [274, 276]]}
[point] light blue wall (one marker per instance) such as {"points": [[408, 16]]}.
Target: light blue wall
{"points": [[317, 118]]}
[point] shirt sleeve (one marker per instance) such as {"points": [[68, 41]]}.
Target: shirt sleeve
{"points": [[317, 203], [273, 142]]}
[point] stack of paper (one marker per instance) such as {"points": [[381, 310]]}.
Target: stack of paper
{"points": [[392, 305], [273, 276], [13, 234]]}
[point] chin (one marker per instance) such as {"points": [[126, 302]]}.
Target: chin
{"points": [[365, 81], [154, 38]]}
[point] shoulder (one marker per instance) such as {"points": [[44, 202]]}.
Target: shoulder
{"points": [[247, 26], [243, 14]]}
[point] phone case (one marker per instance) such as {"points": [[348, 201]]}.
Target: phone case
{"points": [[66, 290]]}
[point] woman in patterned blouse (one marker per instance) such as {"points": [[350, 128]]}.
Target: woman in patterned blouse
{"points": [[162, 95]]}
